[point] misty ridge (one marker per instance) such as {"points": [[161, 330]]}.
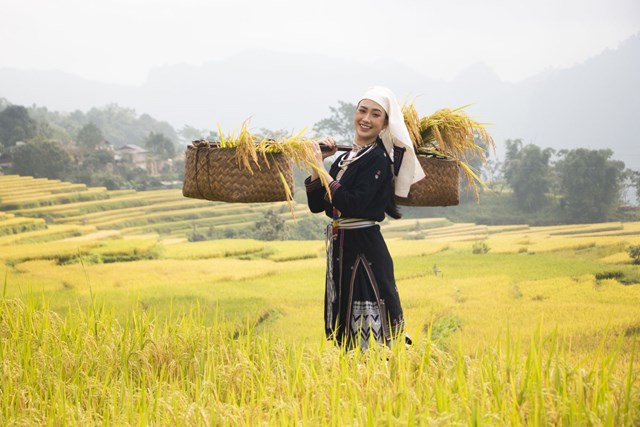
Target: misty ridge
{"points": [[591, 105]]}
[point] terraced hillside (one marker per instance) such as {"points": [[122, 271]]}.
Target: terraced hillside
{"points": [[109, 315], [39, 210], [36, 204]]}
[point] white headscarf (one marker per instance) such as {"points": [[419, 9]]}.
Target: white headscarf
{"points": [[397, 134]]}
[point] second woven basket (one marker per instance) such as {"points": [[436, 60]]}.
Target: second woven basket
{"points": [[213, 173], [439, 187]]}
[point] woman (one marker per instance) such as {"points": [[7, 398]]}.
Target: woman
{"points": [[361, 298]]}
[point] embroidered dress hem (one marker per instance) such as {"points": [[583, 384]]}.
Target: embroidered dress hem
{"points": [[361, 300]]}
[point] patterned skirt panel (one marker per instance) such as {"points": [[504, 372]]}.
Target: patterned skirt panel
{"points": [[361, 299]]}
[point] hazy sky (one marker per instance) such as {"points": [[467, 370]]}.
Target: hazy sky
{"points": [[121, 40]]}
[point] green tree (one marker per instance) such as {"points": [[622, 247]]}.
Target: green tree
{"points": [[16, 125], [482, 169], [526, 170], [90, 136], [493, 174], [589, 184], [307, 228], [636, 184], [122, 125], [160, 145], [634, 253], [339, 125], [93, 168], [108, 179], [137, 179], [271, 227], [51, 124], [41, 159]]}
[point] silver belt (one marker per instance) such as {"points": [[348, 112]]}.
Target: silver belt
{"points": [[351, 223]]}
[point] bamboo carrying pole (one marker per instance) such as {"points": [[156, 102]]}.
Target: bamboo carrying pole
{"points": [[338, 147]]}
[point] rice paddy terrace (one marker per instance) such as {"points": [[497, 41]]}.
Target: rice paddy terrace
{"points": [[48, 221], [41, 217], [40, 203], [106, 305]]}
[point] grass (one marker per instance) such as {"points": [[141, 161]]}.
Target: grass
{"points": [[51, 232], [213, 249], [93, 369], [149, 329], [14, 225], [46, 199]]}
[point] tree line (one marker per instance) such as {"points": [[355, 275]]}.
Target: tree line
{"points": [[564, 186], [578, 185], [82, 147]]}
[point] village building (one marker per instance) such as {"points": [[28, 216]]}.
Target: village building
{"points": [[133, 155]]}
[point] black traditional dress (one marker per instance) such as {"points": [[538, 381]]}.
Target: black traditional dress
{"points": [[361, 298]]}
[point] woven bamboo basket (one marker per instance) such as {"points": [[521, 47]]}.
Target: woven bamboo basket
{"points": [[213, 173], [439, 187]]}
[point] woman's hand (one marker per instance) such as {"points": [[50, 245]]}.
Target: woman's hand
{"points": [[320, 155], [330, 147]]}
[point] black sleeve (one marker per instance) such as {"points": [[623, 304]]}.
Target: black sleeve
{"points": [[355, 200], [315, 194]]}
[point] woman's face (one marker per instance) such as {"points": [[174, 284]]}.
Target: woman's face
{"points": [[370, 119]]}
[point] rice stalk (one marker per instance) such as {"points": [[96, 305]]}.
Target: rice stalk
{"points": [[289, 194], [450, 133], [455, 133], [223, 141], [245, 147], [412, 121], [472, 178], [4, 287], [295, 148], [298, 149]]}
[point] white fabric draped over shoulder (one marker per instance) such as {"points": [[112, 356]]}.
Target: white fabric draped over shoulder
{"points": [[396, 133]]}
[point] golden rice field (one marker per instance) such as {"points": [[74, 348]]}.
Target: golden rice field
{"points": [[115, 327]]}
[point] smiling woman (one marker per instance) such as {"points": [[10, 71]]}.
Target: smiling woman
{"points": [[361, 299], [369, 120]]}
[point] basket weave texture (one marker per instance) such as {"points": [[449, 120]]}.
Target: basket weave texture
{"points": [[213, 173], [439, 187]]}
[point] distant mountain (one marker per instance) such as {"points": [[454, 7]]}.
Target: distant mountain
{"points": [[592, 105], [595, 104]]}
